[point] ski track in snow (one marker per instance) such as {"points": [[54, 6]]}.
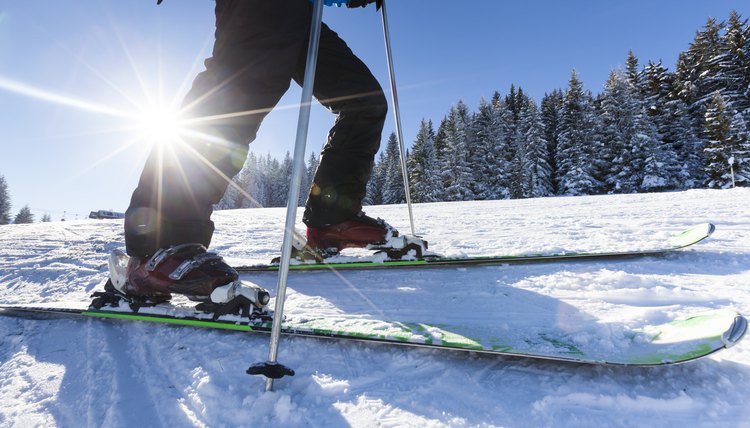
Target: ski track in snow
{"points": [[63, 372]]}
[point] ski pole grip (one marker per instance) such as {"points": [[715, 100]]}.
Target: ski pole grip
{"points": [[333, 2]]}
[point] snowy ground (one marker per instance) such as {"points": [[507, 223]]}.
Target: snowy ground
{"points": [[74, 373]]}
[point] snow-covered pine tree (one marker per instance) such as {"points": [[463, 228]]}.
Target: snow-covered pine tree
{"points": [[551, 110], [613, 164], [577, 126], [655, 158], [393, 188], [24, 216], [307, 180], [255, 185], [504, 149], [456, 168], [740, 143], [700, 66], [720, 144], [632, 72], [235, 196], [671, 118], [515, 143], [422, 164], [440, 154], [283, 181], [374, 193], [725, 69], [487, 156], [269, 168], [534, 170], [4, 201], [632, 156]]}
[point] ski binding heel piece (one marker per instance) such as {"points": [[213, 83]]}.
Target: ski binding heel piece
{"points": [[237, 298], [399, 246], [256, 294]]}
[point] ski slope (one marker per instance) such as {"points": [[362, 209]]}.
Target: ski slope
{"points": [[93, 373]]}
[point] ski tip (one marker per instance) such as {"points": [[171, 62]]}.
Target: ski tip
{"points": [[692, 235], [736, 331]]}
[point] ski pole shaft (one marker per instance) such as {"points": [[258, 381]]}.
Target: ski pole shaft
{"points": [[294, 189], [397, 114]]}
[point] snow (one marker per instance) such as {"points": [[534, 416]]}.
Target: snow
{"points": [[65, 372]]}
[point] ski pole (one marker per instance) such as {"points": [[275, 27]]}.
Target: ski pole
{"points": [[271, 368], [397, 114]]}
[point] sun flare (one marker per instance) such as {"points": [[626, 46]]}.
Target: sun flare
{"points": [[159, 124]]}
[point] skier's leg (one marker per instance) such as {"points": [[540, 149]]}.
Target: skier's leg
{"points": [[255, 54], [168, 225], [344, 85]]}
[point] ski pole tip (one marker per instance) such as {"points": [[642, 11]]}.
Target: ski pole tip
{"points": [[270, 369]]}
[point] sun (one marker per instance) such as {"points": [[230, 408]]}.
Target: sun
{"points": [[160, 124]]}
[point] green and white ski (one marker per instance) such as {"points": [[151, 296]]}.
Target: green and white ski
{"points": [[674, 342], [685, 239]]}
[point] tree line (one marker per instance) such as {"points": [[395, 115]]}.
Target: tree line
{"points": [[649, 130], [24, 215]]}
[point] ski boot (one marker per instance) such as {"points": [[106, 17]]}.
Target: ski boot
{"points": [[362, 231], [186, 269]]}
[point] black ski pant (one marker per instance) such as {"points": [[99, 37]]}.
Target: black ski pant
{"points": [[260, 47]]}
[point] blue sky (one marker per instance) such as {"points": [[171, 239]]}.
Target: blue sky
{"points": [[65, 66]]}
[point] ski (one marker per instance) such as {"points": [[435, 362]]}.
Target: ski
{"points": [[685, 239], [677, 341]]}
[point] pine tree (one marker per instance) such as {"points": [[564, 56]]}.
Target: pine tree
{"points": [[671, 117], [376, 184], [702, 61], [576, 137], [740, 149], [631, 156], [491, 170], [4, 202], [456, 169], [308, 179], [632, 72], [393, 189], [551, 111], [46, 218], [254, 182], [505, 148], [534, 170], [423, 176], [24, 216], [282, 181], [655, 172], [733, 65], [614, 163], [722, 143]]}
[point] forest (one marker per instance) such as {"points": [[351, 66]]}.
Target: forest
{"points": [[649, 130]]}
